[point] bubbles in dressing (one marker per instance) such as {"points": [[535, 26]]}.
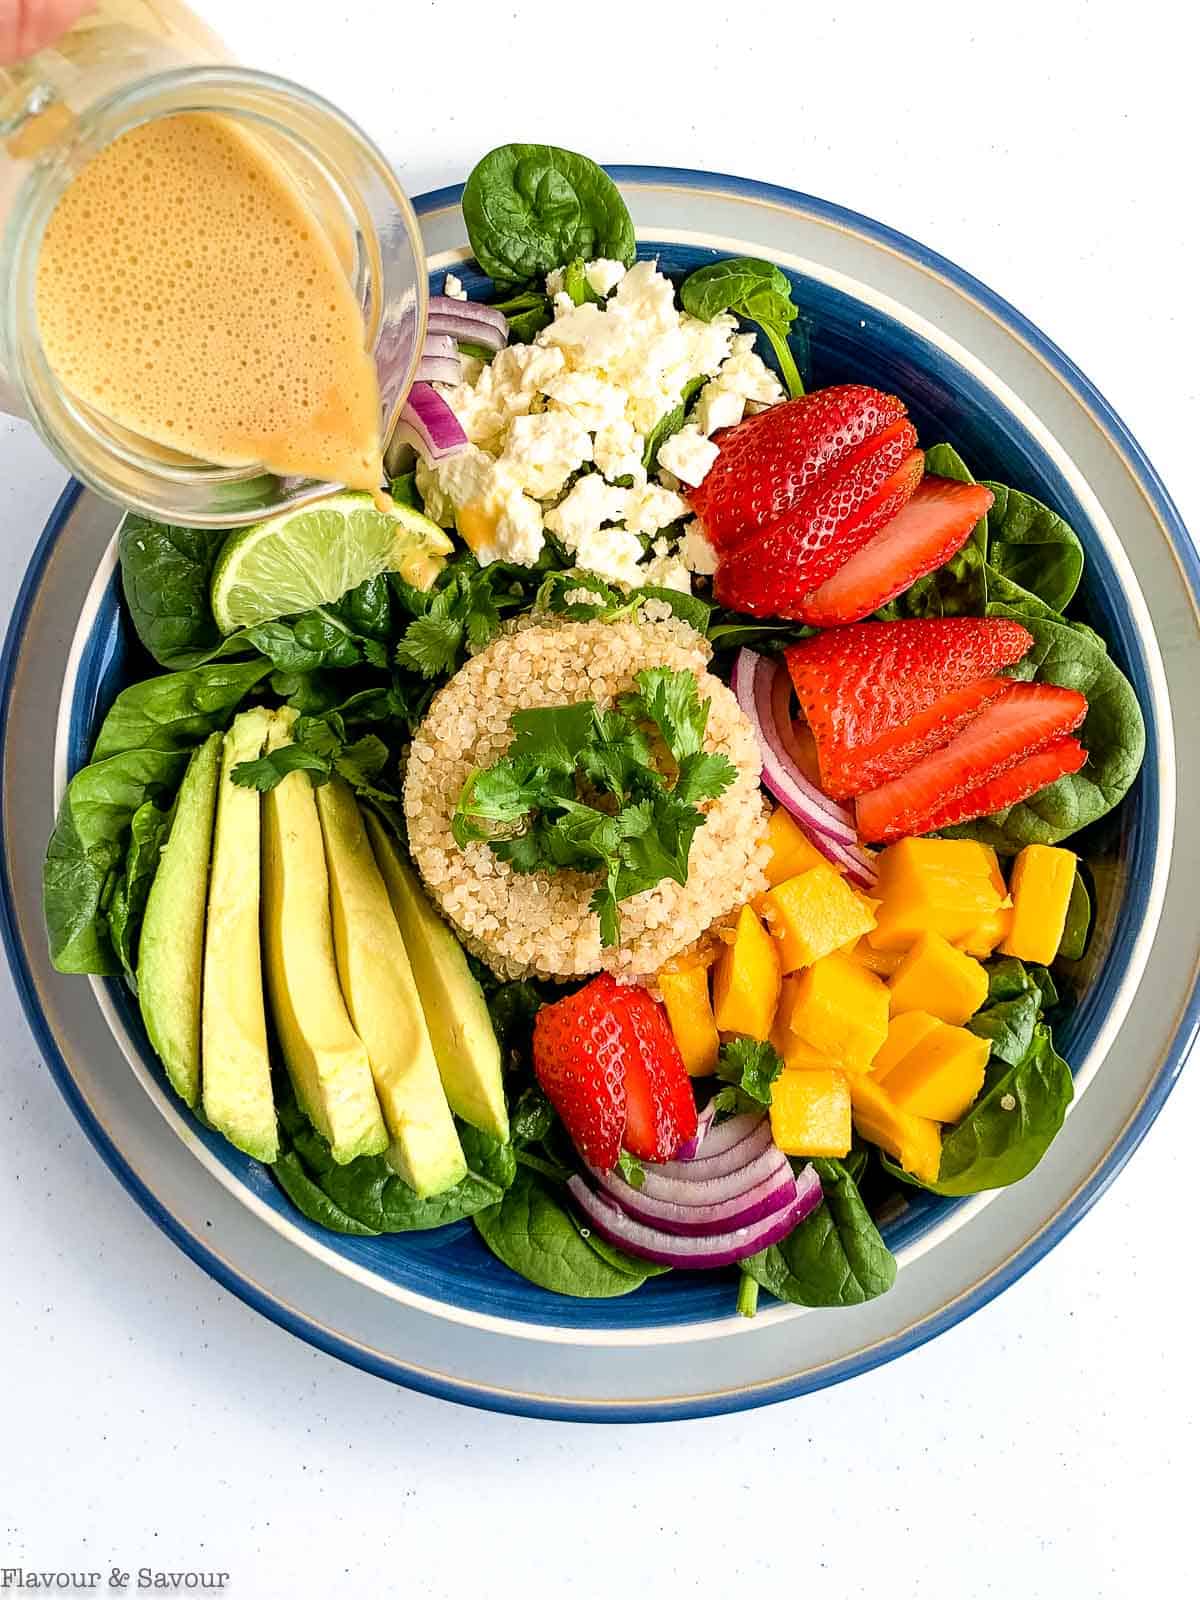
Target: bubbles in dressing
{"points": [[186, 292]]}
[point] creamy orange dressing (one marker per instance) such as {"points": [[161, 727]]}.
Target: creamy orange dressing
{"points": [[186, 292]]}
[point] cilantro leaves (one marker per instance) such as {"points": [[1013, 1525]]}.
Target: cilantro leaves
{"points": [[749, 1067], [583, 790]]}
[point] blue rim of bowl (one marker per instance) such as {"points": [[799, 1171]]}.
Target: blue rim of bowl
{"points": [[899, 1344]]}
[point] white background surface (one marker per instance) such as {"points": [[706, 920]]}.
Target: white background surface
{"points": [[1047, 1447]]}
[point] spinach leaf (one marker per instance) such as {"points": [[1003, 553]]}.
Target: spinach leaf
{"points": [[835, 1257], [312, 1201], [1033, 547], [622, 1260], [367, 1190], [1009, 1128], [88, 846], [177, 710], [148, 830], [1007, 599], [669, 423], [1008, 1025], [528, 312], [756, 290], [532, 207], [575, 283], [165, 572], [1008, 977], [960, 587], [1078, 926], [1113, 733], [534, 1234]]}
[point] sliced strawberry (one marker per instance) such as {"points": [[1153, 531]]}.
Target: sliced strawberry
{"points": [[770, 574], [1013, 786], [934, 525], [893, 753], [661, 1106], [580, 1052], [1019, 724], [864, 686], [768, 461], [609, 1064]]}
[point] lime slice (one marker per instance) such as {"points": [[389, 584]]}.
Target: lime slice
{"points": [[314, 555]]}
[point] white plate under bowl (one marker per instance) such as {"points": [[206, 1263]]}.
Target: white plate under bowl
{"points": [[615, 1370]]}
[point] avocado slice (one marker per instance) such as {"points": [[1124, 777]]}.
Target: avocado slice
{"points": [[171, 952], [464, 1041], [235, 1061], [325, 1058], [385, 1007]]}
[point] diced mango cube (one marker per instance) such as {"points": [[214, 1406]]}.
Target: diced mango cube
{"points": [[937, 978], [915, 1142], [882, 962], [812, 915], [810, 1113], [941, 1076], [1042, 880], [841, 1010], [792, 851], [946, 886], [904, 1034], [746, 980], [690, 1013], [797, 1054], [983, 939]]}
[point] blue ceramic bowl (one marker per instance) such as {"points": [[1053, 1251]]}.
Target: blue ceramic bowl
{"points": [[848, 341]]}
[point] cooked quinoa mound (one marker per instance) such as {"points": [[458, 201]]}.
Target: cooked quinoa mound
{"points": [[541, 923]]}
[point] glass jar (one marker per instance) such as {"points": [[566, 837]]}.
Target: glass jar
{"points": [[128, 62]]}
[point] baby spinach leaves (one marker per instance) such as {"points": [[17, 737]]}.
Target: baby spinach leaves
{"points": [[835, 1257], [1010, 1127], [1113, 734], [756, 290], [177, 710], [88, 846], [148, 830], [1078, 926], [1033, 547], [532, 1231], [532, 207], [165, 572], [368, 1193]]}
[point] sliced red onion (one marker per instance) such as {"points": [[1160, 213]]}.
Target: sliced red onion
{"points": [[429, 425], [440, 344], [444, 305], [859, 866], [678, 1250], [720, 1163], [464, 328], [708, 1216], [753, 682], [730, 1132], [710, 1190], [689, 1148], [439, 369]]}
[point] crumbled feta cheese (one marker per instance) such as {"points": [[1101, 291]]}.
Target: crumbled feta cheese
{"points": [[748, 374], [592, 401], [590, 504], [718, 407], [453, 289], [617, 451], [544, 448], [603, 275], [667, 572], [612, 554], [652, 507], [698, 555], [554, 282], [688, 454], [709, 343], [481, 498]]}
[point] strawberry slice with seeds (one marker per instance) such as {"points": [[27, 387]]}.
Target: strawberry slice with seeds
{"points": [[770, 574], [580, 1050], [1010, 788], [609, 1064], [933, 526], [661, 1108], [1017, 725], [767, 462]]}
